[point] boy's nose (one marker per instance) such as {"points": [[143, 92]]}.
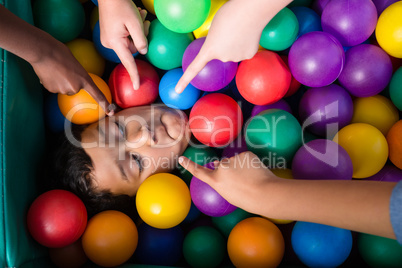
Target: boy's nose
{"points": [[143, 136]]}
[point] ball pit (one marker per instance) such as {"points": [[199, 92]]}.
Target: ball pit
{"points": [[215, 75], [316, 59], [281, 104], [395, 88], [308, 20], [226, 223], [394, 139]]}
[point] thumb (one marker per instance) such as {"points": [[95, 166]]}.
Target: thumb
{"points": [[202, 173]]}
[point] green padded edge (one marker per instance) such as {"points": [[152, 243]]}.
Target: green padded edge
{"points": [[22, 145]]}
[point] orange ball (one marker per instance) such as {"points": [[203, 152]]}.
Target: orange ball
{"points": [[81, 108], [256, 242], [71, 256], [110, 239], [394, 139]]}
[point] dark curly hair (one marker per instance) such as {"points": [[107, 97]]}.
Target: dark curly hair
{"points": [[71, 169]]}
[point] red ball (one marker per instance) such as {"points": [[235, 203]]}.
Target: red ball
{"points": [[216, 120], [263, 79], [57, 218], [122, 89]]}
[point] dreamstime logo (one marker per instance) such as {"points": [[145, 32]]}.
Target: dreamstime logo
{"points": [[109, 127]]}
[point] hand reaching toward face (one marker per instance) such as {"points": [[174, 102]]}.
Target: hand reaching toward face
{"points": [[124, 29]]}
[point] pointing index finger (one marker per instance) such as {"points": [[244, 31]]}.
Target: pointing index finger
{"points": [[192, 70], [99, 97]]}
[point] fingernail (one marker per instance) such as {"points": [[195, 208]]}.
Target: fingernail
{"points": [[111, 109], [136, 86], [143, 51], [181, 159], [178, 90]]}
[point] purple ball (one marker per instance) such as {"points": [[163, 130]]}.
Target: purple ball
{"points": [[316, 59], [319, 5], [237, 146], [207, 200], [215, 75], [322, 160], [351, 22], [381, 5], [387, 173], [321, 108], [281, 104], [367, 71]]}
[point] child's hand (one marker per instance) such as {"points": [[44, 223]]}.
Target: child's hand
{"points": [[241, 179], [60, 72], [124, 29]]}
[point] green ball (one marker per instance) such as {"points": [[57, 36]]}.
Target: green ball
{"points": [[274, 136], [281, 32], [395, 88], [204, 247], [226, 223], [201, 156], [379, 251], [165, 47], [62, 19], [182, 16]]}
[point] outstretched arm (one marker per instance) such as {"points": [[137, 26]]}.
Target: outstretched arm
{"points": [[52, 61], [245, 182], [234, 34]]}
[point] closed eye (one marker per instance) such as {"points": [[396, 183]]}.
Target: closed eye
{"points": [[138, 160]]}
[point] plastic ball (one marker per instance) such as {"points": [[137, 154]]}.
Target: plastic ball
{"points": [[351, 22], [379, 251], [226, 223], [256, 242], [57, 218], [388, 26], [381, 5], [202, 31], [122, 87], [316, 59], [318, 245], [387, 173], [394, 138], [69, 256], [216, 120], [204, 247], [366, 146], [159, 246], [367, 70], [377, 111], [163, 200], [274, 136], [165, 47], [54, 119], [395, 88], [106, 53], [149, 5], [294, 84], [81, 108], [321, 108], [322, 159], [215, 75], [263, 79], [110, 239], [168, 95], [200, 155], [64, 20], [87, 55], [207, 200], [308, 20], [280, 104], [236, 147], [319, 5], [281, 31], [182, 16]]}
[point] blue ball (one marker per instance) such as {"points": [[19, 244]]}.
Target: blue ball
{"points": [[106, 53], [318, 245], [168, 95], [54, 119], [159, 246], [309, 20]]}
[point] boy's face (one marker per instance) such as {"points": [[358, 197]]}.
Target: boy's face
{"points": [[133, 144]]}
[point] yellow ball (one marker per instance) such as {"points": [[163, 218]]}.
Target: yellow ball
{"points": [[149, 5], [284, 173], [377, 111], [389, 28], [86, 54], [366, 146], [81, 108], [202, 31], [163, 200], [110, 238]]}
